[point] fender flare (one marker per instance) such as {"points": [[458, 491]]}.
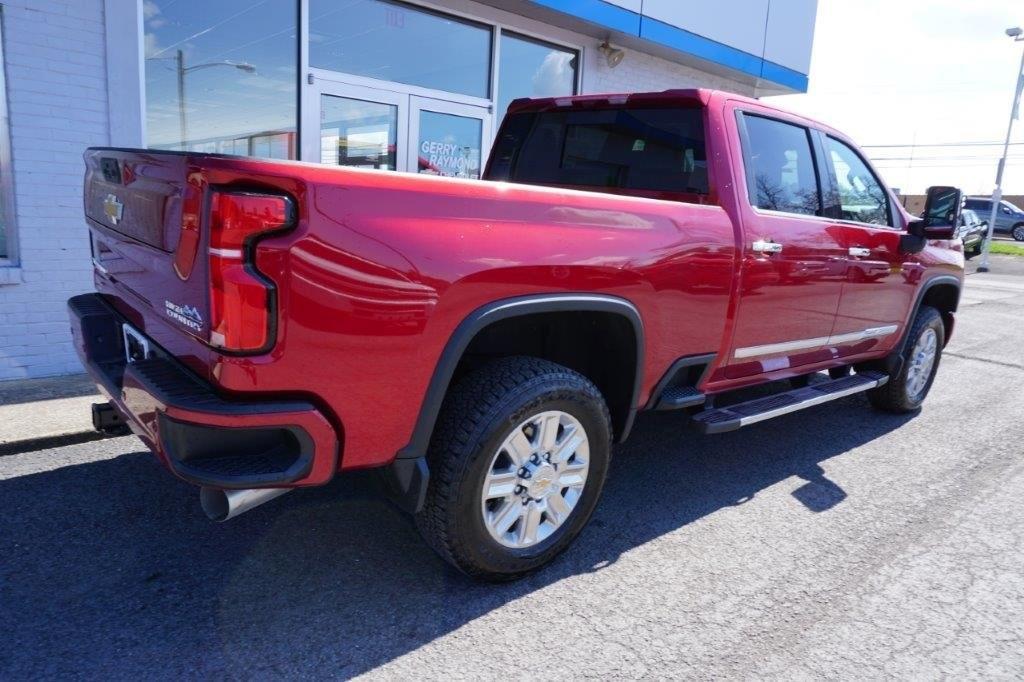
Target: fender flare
{"points": [[503, 309], [893, 362], [922, 292]]}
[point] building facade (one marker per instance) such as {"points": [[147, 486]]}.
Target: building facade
{"points": [[416, 86]]}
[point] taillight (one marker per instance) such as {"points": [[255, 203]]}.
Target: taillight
{"points": [[241, 301]]}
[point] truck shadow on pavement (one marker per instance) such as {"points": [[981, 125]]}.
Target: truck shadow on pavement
{"points": [[110, 568]]}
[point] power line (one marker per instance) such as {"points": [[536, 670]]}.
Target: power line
{"points": [[941, 144], [956, 158]]}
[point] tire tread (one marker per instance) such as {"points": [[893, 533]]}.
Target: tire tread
{"points": [[469, 409]]}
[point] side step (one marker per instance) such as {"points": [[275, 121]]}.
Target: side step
{"points": [[678, 397], [743, 414]]}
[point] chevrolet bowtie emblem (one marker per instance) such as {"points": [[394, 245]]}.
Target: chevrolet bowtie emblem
{"points": [[113, 209]]}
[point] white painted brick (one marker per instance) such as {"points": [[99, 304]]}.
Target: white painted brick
{"points": [[56, 89]]}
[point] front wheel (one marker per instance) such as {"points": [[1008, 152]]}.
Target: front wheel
{"points": [[905, 391], [517, 464], [1018, 232]]}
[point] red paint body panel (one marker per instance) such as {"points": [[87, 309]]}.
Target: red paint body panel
{"points": [[381, 268]]}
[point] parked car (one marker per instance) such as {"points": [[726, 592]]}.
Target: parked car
{"points": [[262, 325], [972, 231], [1009, 218]]}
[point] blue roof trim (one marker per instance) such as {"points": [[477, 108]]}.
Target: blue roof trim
{"points": [[780, 74], [623, 20], [598, 12]]}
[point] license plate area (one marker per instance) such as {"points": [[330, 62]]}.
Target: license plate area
{"points": [[136, 346]]}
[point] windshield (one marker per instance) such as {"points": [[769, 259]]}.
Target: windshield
{"points": [[1010, 206]]}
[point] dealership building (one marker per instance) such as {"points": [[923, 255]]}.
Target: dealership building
{"points": [[414, 86]]}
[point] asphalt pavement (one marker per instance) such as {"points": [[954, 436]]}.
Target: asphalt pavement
{"points": [[837, 542]]}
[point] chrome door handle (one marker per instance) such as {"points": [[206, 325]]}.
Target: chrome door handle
{"points": [[859, 251], [762, 246]]}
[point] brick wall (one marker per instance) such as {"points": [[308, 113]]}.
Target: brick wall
{"points": [[57, 100], [641, 72]]}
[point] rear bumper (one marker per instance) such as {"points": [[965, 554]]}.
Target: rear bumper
{"points": [[203, 438]]}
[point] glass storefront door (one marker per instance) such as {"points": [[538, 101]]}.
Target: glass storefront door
{"points": [[448, 139], [354, 125]]}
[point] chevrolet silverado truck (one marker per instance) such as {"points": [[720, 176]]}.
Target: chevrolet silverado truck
{"points": [[263, 325]]}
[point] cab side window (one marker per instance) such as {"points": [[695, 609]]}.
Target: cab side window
{"points": [[781, 175], [862, 198]]}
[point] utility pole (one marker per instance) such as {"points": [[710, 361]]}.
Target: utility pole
{"points": [[179, 61], [997, 195]]}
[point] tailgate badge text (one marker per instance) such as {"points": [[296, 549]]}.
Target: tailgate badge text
{"points": [[187, 315]]}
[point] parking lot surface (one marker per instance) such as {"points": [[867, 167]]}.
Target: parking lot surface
{"points": [[837, 542]]}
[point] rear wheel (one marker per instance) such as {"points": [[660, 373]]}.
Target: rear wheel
{"points": [[905, 391], [517, 465]]}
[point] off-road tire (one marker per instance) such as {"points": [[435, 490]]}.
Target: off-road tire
{"points": [[894, 396], [477, 415]]}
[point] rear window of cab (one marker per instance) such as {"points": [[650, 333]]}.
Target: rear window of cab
{"points": [[657, 152]]}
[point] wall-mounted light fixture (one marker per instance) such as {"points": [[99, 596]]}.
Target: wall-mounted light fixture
{"points": [[614, 55]]}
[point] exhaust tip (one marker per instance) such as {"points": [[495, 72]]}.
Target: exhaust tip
{"points": [[221, 505], [215, 504]]}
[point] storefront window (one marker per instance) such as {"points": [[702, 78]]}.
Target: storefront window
{"points": [[222, 76], [395, 42], [358, 133], [449, 145], [532, 68]]}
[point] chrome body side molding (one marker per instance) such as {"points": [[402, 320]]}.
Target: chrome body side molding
{"points": [[804, 344]]}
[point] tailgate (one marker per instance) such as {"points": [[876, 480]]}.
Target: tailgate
{"points": [[145, 216]]}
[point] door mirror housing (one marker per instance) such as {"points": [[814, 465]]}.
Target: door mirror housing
{"points": [[942, 207]]}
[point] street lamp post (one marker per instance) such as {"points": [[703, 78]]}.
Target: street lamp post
{"points": [[181, 69], [997, 195]]}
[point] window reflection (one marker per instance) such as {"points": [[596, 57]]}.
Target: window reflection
{"points": [[780, 167], [861, 196], [358, 133], [532, 68], [221, 76], [392, 41], [449, 145]]}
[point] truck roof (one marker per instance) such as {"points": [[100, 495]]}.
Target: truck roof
{"points": [[682, 96]]}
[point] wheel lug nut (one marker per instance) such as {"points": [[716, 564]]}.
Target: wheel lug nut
{"points": [[535, 458]]}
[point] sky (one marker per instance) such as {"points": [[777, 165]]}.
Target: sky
{"points": [[930, 72]]}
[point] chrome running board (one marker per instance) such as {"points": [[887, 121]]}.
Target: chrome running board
{"points": [[743, 414]]}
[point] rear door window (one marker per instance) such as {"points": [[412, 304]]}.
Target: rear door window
{"points": [[628, 151], [781, 175]]}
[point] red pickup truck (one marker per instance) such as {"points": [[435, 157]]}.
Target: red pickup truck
{"points": [[263, 325]]}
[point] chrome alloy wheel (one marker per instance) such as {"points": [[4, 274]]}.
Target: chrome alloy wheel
{"points": [[535, 479], [922, 359]]}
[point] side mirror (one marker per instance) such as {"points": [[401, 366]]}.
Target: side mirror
{"points": [[941, 214]]}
